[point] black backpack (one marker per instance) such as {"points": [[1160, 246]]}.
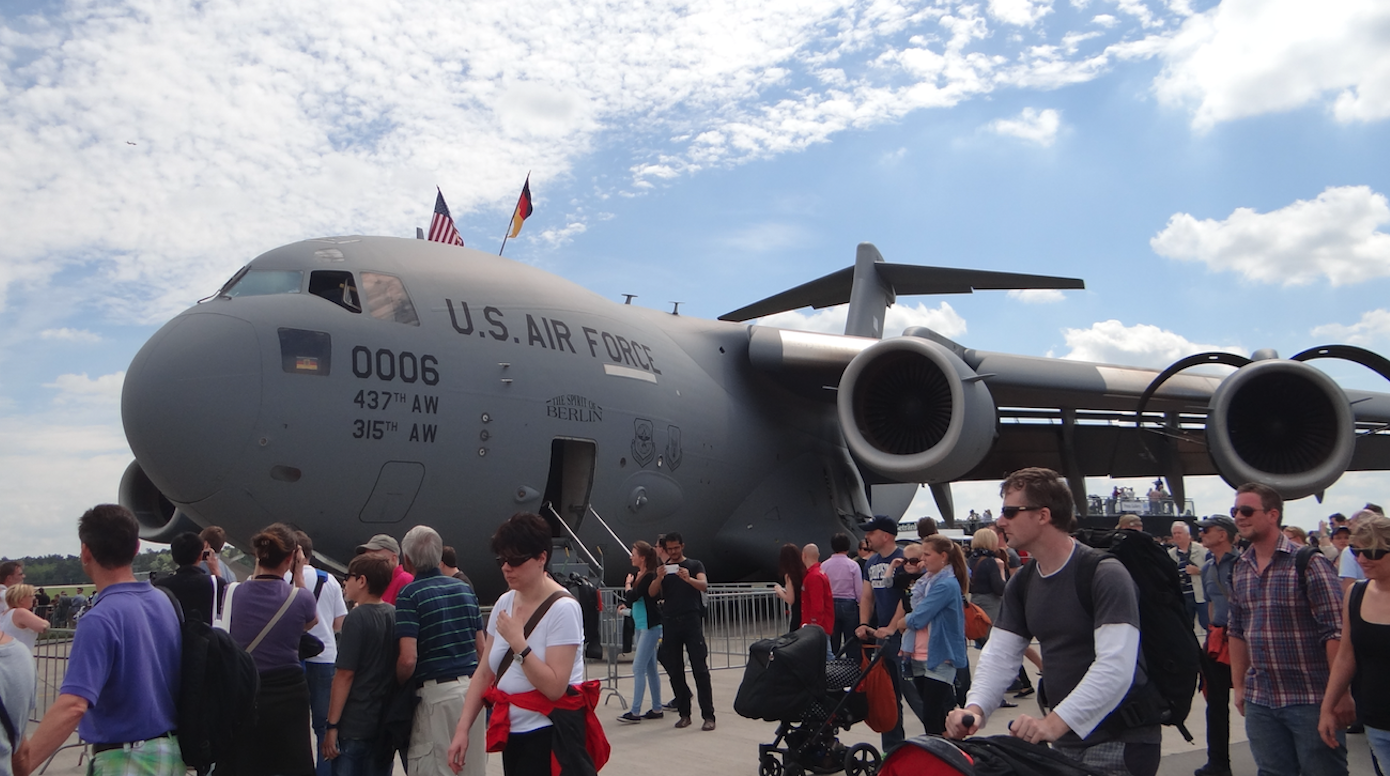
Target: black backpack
{"points": [[1168, 649], [217, 692]]}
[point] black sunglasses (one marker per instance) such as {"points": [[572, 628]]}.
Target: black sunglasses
{"points": [[913, 561], [1244, 510], [1368, 553], [1010, 512], [514, 560]]}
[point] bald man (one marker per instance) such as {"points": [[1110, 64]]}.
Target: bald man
{"points": [[817, 607]]}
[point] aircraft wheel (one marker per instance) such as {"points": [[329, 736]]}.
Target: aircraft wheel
{"points": [[769, 765], [862, 760]]}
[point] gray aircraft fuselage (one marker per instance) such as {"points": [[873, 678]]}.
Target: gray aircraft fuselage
{"points": [[514, 388]]}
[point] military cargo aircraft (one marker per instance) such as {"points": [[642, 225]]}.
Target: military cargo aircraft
{"points": [[362, 385]]}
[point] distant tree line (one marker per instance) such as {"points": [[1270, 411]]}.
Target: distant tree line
{"points": [[67, 569]]}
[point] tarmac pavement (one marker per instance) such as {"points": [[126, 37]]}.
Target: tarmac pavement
{"points": [[656, 748]]}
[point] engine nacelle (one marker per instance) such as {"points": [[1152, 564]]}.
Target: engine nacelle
{"points": [[912, 410], [160, 521], [1282, 423]]}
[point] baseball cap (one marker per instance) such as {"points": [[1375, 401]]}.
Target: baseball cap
{"points": [[880, 523], [379, 542], [1219, 521]]}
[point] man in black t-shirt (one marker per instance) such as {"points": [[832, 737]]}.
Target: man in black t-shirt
{"points": [[680, 584], [366, 671]]}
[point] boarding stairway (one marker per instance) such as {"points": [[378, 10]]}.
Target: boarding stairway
{"points": [[571, 555]]}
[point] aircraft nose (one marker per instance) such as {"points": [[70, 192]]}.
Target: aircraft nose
{"points": [[190, 402]]}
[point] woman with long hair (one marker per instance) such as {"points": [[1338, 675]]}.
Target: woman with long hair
{"points": [[937, 625], [267, 616], [19, 621], [792, 570], [987, 576], [646, 618], [540, 665], [1363, 662]]}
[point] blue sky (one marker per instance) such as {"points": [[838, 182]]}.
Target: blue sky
{"points": [[1217, 173]]}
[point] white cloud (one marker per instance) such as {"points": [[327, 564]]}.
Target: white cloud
{"points": [[765, 237], [70, 335], [1105, 20], [1031, 125], [1249, 57], [73, 388], [942, 319], [1373, 327], [563, 235], [55, 471], [1111, 342], [1022, 13], [1037, 295], [1336, 235]]}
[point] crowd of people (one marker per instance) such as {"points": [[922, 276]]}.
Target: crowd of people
{"points": [[397, 661]]}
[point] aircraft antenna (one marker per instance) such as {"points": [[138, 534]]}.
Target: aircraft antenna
{"points": [[627, 298]]}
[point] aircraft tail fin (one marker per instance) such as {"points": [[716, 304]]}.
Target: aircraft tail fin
{"points": [[872, 284]]}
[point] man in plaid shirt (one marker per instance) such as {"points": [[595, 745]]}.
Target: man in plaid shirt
{"points": [[1283, 638]]}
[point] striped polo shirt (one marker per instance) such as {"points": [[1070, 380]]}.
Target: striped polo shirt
{"points": [[441, 613]]}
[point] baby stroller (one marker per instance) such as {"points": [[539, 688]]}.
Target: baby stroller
{"points": [[789, 680]]}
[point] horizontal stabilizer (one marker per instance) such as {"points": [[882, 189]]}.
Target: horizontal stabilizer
{"points": [[904, 279]]}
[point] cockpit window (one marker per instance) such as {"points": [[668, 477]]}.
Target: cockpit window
{"points": [[337, 287], [387, 299], [263, 282]]}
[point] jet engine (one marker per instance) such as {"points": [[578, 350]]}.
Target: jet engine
{"points": [[913, 411], [1282, 423], [160, 521]]}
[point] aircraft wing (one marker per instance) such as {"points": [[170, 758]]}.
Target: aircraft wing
{"points": [[921, 408]]}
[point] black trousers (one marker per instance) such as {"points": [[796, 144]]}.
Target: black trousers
{"points": [[527, 754], [686, 632], [938, 698], [1218, 681]]}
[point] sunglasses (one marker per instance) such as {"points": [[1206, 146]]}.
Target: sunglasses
{"points": [[1011, 512], [911, 561], [515, 561], [1368, 553], [1245, 510]]}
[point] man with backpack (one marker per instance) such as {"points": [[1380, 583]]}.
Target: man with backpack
{"points": [[1091, 653], [198, 592], [122, 700], [1285, 627]]}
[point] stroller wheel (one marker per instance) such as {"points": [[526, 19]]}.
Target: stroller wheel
{"points": [[769, 765], [862, 760]]}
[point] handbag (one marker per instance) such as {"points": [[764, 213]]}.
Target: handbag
{"points": [[877, 686], [977, 623]]}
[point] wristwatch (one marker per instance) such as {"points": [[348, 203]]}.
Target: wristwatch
{"points": [[521, 656], [331, 725]]}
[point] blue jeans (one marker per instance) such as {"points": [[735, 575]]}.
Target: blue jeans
{"points": [[1285, 741], [1380, 745], [320, 679], [644, 670], [359, 758]]}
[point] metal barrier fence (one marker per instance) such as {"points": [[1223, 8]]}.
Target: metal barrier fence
{"points": [[50, 666], [736, 615]]}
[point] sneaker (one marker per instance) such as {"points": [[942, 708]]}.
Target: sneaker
{"points": [[683, 722], [1212, 770], [1007, 704], [709, 725], [629, 718], [1025, 692], [669, 706], [653, 714]]}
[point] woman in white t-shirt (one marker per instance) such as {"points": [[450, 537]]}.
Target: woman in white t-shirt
{"points": [[19, 621], [548, 661]]}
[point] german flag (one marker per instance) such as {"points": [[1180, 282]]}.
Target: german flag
{"points": [[523, 208]]}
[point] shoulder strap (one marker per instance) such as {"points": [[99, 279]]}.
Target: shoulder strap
{"points": [[256, 642], [318, 586], [1089, 559], [178, 607], [1301, 561], [526, 631]]}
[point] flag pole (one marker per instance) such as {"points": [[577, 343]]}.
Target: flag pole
{"points": [[506, 233]]}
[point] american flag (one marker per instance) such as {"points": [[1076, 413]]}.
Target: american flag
{"points": [[442, 225]]}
